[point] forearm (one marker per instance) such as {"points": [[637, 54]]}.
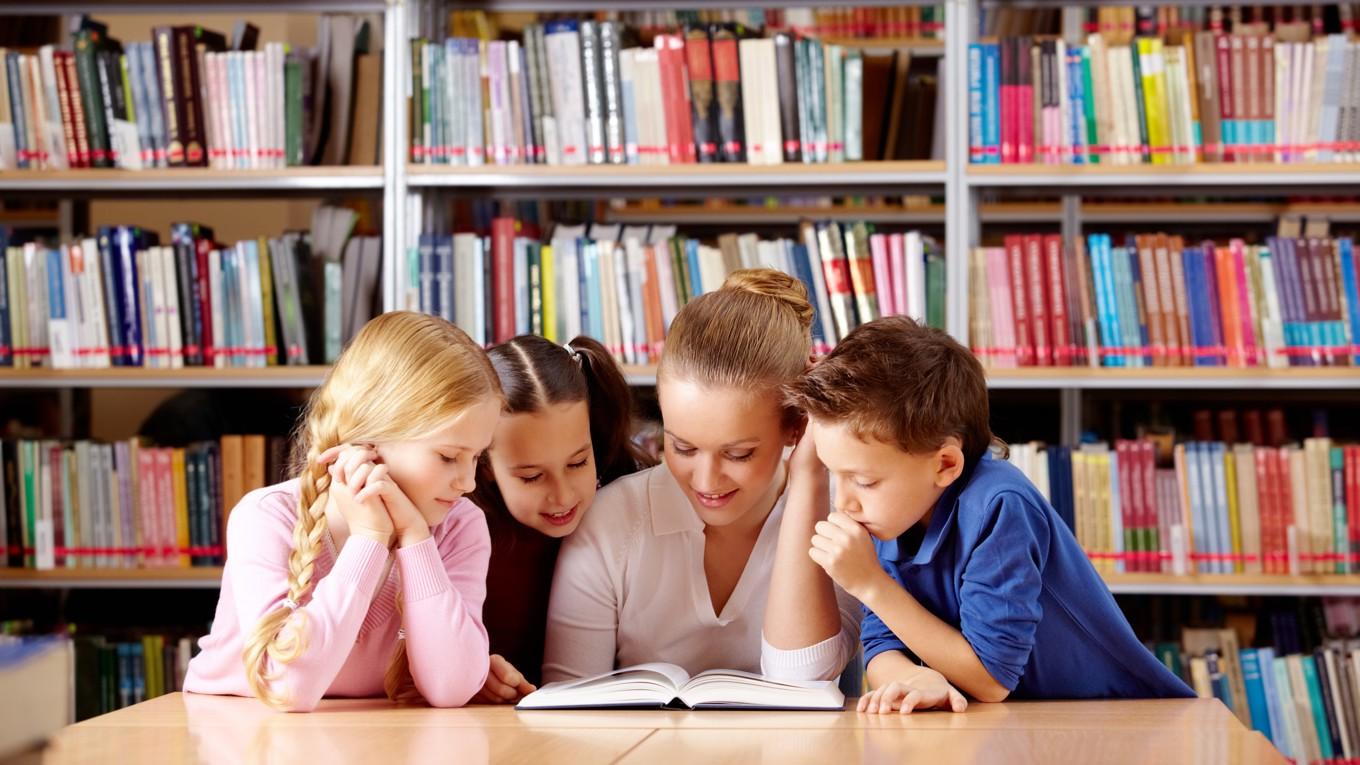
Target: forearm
{"points": [[939, 645], [801, 609]]}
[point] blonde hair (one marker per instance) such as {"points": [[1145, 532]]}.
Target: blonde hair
{"points": [[401, 377], [754, 332]]}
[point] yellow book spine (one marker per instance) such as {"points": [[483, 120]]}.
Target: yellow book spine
{"points": [[1187, 513], [548, 279], [1150, 60], [1104, 509], [1234, 516], [271, 341], [181, 504]]}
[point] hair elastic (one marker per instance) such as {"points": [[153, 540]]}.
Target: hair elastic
{"points": [[290, 604], [575, 354]]}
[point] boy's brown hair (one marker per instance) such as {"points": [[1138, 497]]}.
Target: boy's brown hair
{"points": [[896, 381]]}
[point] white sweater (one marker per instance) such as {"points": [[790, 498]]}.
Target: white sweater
{"points": [[630, 588]]}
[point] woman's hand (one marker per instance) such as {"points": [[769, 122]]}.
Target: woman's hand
{"points": [[504, 684]]}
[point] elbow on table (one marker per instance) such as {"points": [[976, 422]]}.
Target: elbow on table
{"points": [[992, 693]]}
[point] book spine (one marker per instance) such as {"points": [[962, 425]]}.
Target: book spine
{"points": [[96, 119], [171, 86]]}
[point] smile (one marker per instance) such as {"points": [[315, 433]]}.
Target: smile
{"points": [[714, 500]]}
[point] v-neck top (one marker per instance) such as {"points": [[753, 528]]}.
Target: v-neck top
{"points": [[630, 588]]}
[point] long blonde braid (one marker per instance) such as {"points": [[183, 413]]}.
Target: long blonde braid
{"points": [[403, 372]]}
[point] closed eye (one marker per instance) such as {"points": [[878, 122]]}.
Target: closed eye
{"points": [[530, 478], [578, 465]]}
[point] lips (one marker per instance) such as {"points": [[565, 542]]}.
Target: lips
{"points": [[713, 501], [562, 518]]}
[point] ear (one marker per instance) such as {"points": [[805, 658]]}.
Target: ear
{"points": [[949, 462]]}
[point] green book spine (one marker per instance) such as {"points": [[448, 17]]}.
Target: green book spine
{"points": [[681, 270], [1089, 89], [935, 286], [92, 98], [292, 109], [271, 340], [1310, 676], [854, 105], [536, 288], [1139, 100], [332, 308], [417, 103], [1341, 544]]}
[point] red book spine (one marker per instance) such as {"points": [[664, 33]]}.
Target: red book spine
{"points": [[1037, 282], [1227, 113], [1128, 514], [1024, 346], [1009, 118], [1284, 505], [1147, 463], [670, 100], [1024, 97], [68, 125], [675, 47], [503, 278], [1352, 468], [78, 125], [1063, 352]]}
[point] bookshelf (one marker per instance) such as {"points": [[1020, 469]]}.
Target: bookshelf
{"points": [[188, 377], [192, 180], [1189, 177], [854, 175]]}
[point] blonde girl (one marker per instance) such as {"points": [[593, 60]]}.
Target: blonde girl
{"points": [[365, 575]]}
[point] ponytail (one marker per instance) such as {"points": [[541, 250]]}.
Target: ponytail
{"points": [[610, 401]]}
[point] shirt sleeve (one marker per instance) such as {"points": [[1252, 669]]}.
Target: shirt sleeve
{"points": [[823, 661], [260, 539], [443, 587], [999, 608], [583, 610]]}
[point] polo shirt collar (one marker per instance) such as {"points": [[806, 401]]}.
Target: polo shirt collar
{"points": [[941, 521], [670, 508]]}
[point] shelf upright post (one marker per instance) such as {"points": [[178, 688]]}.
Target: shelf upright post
{"points": [[397, 50], [962, 230]]}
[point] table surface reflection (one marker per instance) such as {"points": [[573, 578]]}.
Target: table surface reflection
{"points": [[216, 729]]}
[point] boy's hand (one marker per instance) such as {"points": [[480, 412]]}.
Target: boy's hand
{"points": [[843, 549], [926, 689], [503, 684]]}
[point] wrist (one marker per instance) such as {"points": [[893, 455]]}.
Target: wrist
{"points": [[415, 536], [380, 536], [872, 590]]}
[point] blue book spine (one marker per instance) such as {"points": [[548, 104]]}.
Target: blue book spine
{"points": [[138, 660], [113, 303], [1350, 283], [127, 240], [1135, 330], [593, 307], [443, 253], [803, 270], [56, 301], [429, 302], [126, 670], [1254, 682], [1310, 678], [1271, 693], [520, 268], [991, 93], [1099, 268], [976, 134], [1215, 493], [696, 285], [1076, 97], [1200, 542]]}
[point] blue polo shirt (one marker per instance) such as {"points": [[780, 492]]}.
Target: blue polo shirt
{"points": [[998, 564]]}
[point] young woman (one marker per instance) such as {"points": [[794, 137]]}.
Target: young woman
{"points": [[566, 430], [687, 562], [366, 574]]}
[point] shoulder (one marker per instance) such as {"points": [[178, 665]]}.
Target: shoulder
{"points": [[464, 525], [996, 492], [273, 506]]}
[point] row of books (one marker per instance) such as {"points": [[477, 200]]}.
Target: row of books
{"points": [[122, 299], [114, 673], [1218, 509], [575, 92], [128, 504], [925, 22], [1307, 703], [187, 99], [1161, 20], [1161, 301], [1255, 94], [624, 285]]}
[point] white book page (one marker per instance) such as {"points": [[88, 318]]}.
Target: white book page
{"points": [[655, 683]]}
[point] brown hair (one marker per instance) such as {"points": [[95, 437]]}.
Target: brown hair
{"points": [[535, 373], [402, 376], [754, 332], [901, 383]]}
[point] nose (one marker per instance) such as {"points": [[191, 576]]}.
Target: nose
{"points": [[465, 478], [842, 499], [562, 495], [708, 473]]}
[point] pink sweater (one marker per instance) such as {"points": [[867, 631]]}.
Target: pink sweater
{"points": [[352, 617]]}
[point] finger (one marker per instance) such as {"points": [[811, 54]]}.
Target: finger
{"points": [[824, 543], [871, 706], [863, 702], [509, 675], [358, 478], [526, 688], [844, 524], [330, 454], [372, 490], [821, 558], [912, 700], [497, 691], [956, 701]]}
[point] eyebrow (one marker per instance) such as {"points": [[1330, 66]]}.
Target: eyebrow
{"points": [[577, 453], [752, 442]]}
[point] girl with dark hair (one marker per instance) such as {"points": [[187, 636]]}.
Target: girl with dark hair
{"points": [[566, 430]]}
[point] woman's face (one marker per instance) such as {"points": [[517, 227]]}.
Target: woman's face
{"points": [[544, 465], [723, 445]]}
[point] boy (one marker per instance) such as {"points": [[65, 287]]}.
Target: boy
{"points": [[976, 575]]}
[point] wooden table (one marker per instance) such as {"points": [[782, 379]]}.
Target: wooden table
{"points": [[214, 729]]}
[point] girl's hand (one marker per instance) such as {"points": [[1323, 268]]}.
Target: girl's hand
{"points": [[504, 684], [350, 468], [926, 689], [408, 524]]}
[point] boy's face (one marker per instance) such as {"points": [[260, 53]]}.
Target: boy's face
{"points": [[879, 486]]}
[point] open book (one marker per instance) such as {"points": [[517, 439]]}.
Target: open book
{"points": [[666, 685]]}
